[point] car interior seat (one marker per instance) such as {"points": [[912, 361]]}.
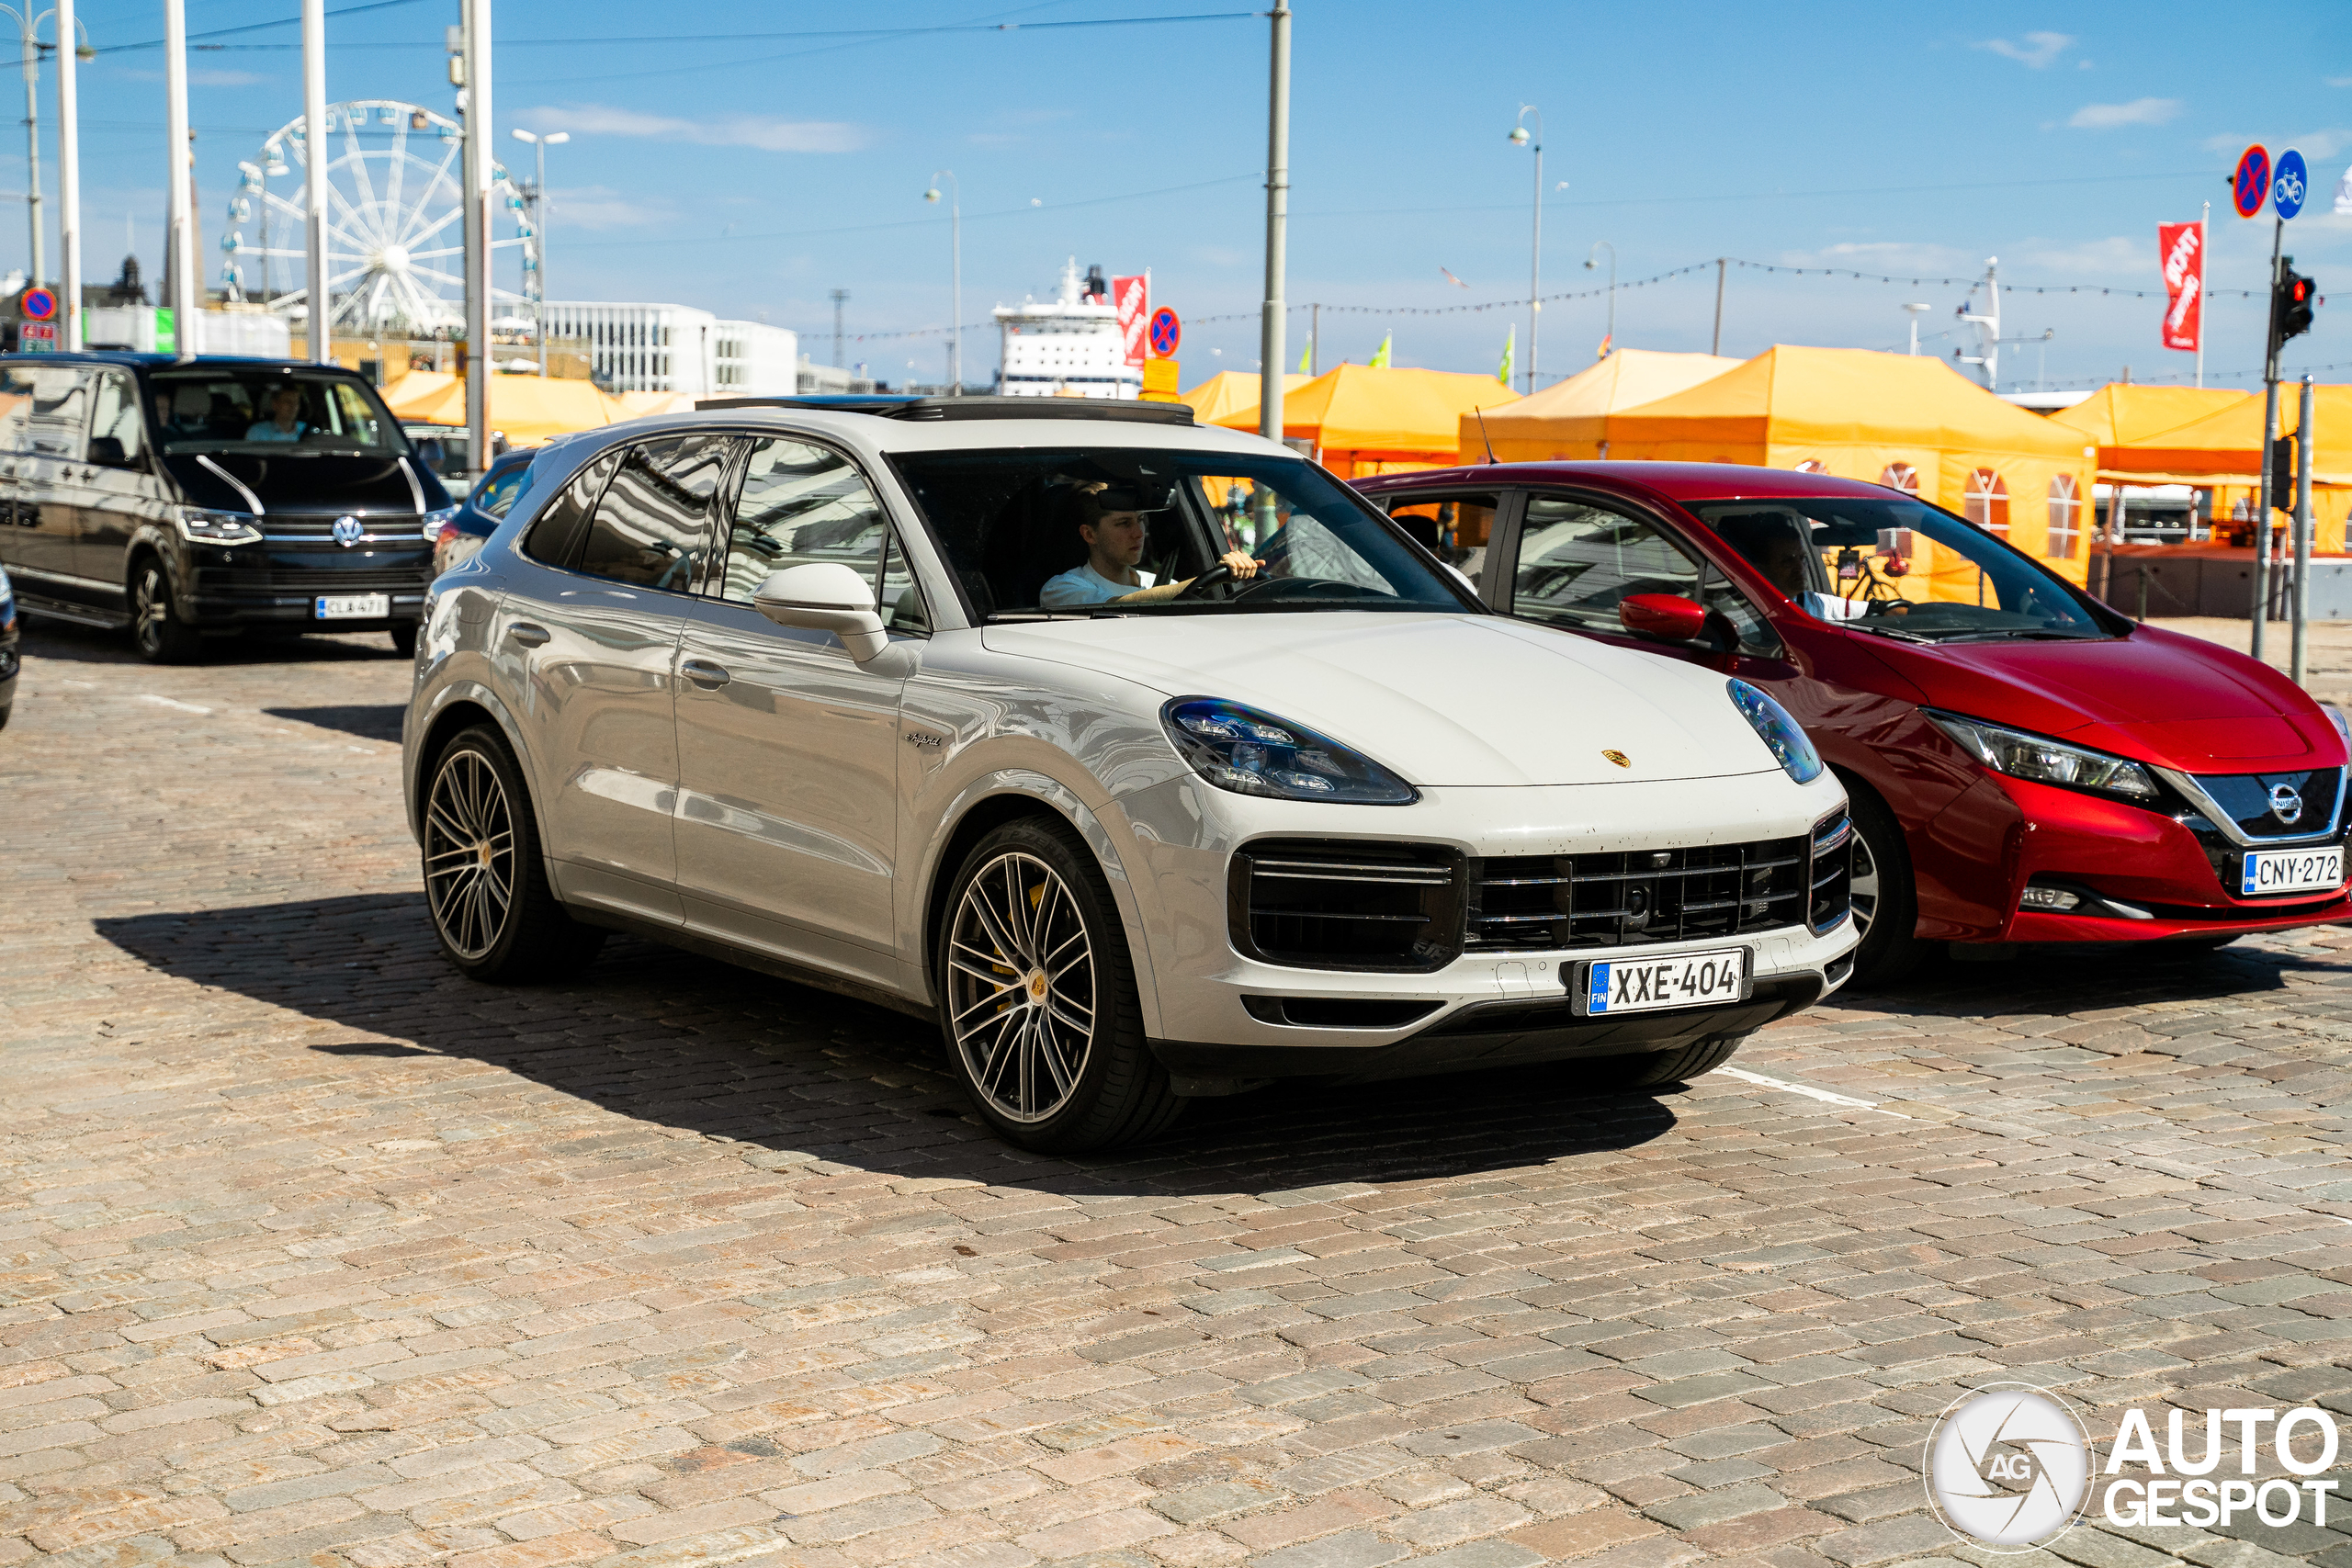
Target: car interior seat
{"points": [[1034, 537]]}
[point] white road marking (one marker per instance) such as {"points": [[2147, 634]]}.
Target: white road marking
{"points": [[1809, 1091], [171, 702]]}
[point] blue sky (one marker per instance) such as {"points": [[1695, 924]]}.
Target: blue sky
{"points": [[750, 176]]}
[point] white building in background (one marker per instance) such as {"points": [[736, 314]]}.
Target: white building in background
{"points": [[676, 348], [1068, 346]]}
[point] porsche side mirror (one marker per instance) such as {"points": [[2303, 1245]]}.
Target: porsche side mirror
{"points": [[825, 597]]}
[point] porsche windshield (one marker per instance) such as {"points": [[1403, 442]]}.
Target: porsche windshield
{"points": [[267, 410], [1122, 530], [1899, 568]]}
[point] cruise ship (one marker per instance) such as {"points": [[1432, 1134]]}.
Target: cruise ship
{"points": [[1069, 347]]}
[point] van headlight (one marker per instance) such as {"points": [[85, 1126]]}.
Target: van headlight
{"points": [[1250, 752], [439, 524], [1778, 729], [198, 527], [2022, 755]]}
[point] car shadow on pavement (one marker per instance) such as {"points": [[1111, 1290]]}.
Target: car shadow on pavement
{"points": [[2062, 980], [369, 721], [62, 640], [703, 1047]]}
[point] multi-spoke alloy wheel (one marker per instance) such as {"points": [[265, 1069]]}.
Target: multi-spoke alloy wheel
{"points": [[1863, 890], [469, 854], [1020, 990], [1886, 910], [156, 629]]}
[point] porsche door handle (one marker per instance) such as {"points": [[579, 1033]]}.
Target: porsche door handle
{"points": [[704, 673], [526, 634]]}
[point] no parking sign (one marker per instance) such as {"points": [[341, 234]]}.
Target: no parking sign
{"points": [[1167, 331]]}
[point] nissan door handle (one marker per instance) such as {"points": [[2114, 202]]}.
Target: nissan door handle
{"points": [[704, 673], [526, 634]]}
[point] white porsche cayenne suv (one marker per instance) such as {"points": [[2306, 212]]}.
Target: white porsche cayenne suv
{"points": [[1149, 759]]}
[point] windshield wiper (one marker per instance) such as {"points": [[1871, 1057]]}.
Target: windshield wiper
{"points": [[2039, 632], [1880, 629]]}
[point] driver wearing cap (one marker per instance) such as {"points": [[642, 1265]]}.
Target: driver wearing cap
{"points": [[1111, 524]]}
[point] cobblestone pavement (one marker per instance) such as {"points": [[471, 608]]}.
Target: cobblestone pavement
{"points": [[312, 1252]]}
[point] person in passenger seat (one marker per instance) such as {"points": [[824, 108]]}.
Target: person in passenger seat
{"points": [[1111, 524]]}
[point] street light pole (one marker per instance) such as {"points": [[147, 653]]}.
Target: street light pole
{"points": [[1914, 311], [478, 183], [1270, 321], [538, 260], [69, 173], [26, 25], [179, 254], [1520, 138], [1608, 338], [955, 276]]}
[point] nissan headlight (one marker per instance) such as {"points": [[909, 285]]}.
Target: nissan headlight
{"points": [[439, 524], [1250, 752], [198, 527], [1778, 729], [2036, 757]]}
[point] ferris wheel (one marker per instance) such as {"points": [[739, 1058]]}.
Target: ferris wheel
{"points": [[394, 221]]}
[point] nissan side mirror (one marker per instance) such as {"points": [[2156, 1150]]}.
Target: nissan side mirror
{"points": [[1670, 617], [825, 597]]}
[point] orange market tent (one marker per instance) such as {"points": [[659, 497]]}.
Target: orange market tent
{"points": [[1531, 430], [1229, 391], [2123, 414], [642, 405], [1366, 421], [530, 408], [1892, 419], [2223, 449]]}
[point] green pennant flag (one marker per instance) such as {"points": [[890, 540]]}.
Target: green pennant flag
{"points": [[1306, 358], [1380, 356], [1510, 342]]}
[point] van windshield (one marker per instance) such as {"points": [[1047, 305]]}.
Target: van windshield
{"points": [[269, 411], [1038, 532], [1897, 567]]}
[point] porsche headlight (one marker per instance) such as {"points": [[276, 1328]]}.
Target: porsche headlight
{"points": [[2036, 757], [198, 527], [1250, 752], [1778, 729]]}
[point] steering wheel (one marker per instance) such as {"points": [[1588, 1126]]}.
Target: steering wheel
{"points": [[1219, 573]]}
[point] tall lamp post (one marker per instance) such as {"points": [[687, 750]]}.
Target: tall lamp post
{"points": [[1609, 337], [537, 261], [1520, 138], [1916, 311], [955, 276], [28, 32]]}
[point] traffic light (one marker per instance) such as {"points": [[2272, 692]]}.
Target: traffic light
{"points": [[2295, 296], [2282, 472]]}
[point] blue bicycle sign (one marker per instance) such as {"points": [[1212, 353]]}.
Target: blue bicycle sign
{"points": [[2289, 183]]}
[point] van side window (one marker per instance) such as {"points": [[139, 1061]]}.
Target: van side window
{"points": [[116, 417], [652, 524], [61, 411], [554, 539]]}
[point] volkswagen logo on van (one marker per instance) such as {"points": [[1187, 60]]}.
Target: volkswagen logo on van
{"points": [[349, 530], [2286, 805]]}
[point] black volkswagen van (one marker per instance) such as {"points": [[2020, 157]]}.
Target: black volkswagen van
{"points": [[182, 499]]}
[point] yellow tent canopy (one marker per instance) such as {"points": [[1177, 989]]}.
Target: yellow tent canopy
{"points": [[1364, 421], [2223, 450], [2124, 414], [1899, 420], [1229, 391], [1530, 431], [642, 405], [530, 409]]}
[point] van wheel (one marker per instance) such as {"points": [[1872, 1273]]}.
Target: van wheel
{"points": [[405, 639], [1886, 909], [156, 629], [1654, 1069], [484, 880], [1037, 997]]}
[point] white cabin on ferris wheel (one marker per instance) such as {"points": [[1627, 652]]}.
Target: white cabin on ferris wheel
{"points": [[1069, 347]]}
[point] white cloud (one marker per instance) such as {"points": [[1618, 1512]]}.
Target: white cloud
{"points": [[2117, 256], [2340, 81], [2036, 52], [600, 207], [2139, 111], [1890, 256], [202, 78], [766, 132]]}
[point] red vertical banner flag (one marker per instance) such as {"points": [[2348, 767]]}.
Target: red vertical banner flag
{"points": [[2182, 247], [1133, 297]]}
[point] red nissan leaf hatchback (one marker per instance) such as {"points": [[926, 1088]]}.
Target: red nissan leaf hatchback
{"points": [[2026, 764]]}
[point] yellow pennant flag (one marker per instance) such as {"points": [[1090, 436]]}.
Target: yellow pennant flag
{"points": [[1380, 356], [1510, 343]]}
